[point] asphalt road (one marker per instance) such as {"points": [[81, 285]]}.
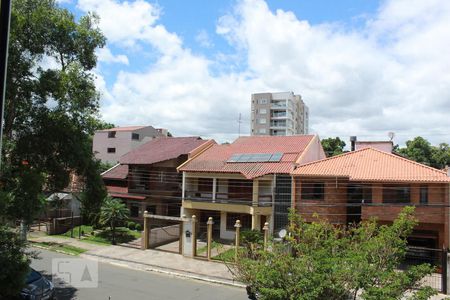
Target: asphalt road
{"points": [[117, 282]]}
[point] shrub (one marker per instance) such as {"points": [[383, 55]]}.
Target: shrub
{"points": [[131, 225], [138, 227]]}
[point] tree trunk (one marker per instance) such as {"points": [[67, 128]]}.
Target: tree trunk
{"points": [[113, 232], [23, 230]]}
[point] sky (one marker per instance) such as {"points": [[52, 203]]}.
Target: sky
{"points": [[363, 67]]}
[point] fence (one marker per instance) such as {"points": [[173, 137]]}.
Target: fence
{"points": [[437, 258]]}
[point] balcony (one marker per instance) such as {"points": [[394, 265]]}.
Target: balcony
{"points": [[223, 198]]}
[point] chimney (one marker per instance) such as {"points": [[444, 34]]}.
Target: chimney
{"points": [[352, 143]]}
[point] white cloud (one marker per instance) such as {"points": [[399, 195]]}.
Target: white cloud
{"points": [[128, 23], [203, 39], [105, 55], [390, 75]]}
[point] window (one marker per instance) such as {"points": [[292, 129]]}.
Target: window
{"points": [[205, 185], [262, 121], [134, 211], [111, 134], [111, 150], [262, 130], [135, 136], [262, 101], [396, 194], [151, 209], [246, 221], [313, 190], [423, 195], [262, 111]]}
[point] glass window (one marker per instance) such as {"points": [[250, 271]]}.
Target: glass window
{"points": [[111, 150], [262, 101], [262, 121], [313, 190], [263, 111], [135, 136], [423, 195], [151, 209], [111, 134], [396, 194], [262, 130]]}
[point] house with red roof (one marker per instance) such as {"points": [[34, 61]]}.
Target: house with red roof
{"points": [[248, 180], [370, 183], [146, 178]]}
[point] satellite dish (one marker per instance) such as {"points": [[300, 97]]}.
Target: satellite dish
{"points": [[391, 135], [282, 233]]}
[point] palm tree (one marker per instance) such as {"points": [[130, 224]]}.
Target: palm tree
{"points": [[113, 211]]}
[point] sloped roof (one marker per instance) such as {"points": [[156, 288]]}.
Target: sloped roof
{"points": [[161, 149], [370, 164], [116, 172], [214, 160]]}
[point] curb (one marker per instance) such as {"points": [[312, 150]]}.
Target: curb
{"points": [[167, 271], [34, 245]]}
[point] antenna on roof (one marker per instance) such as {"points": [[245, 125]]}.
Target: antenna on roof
{"points": [[391, 135], [239, 122]]}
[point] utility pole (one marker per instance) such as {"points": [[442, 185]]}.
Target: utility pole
{"points": [[5, 15], [239, 122]]}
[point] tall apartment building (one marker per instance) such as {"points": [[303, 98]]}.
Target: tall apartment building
{"points": [[279, 114]]}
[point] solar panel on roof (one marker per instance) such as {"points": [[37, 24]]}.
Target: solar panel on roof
{"points": [[276, 157], [255, 157]]}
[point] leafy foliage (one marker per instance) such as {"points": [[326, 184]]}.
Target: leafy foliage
{"points": [[14, 260], [113, 211], [322, 261], [51, 107], [333, 146], [420, 150]]}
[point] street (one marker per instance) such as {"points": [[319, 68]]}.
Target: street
{"points": [[122, 283]]}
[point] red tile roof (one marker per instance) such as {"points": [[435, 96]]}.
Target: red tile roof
{"points": [[116, 172], [214, 160], [161, 149], [369, 164]]}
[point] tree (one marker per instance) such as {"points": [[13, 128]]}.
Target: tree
{"points": [[420, 150], [51, 107], [14, 260], [319, 260], [333, 146], [112, 212]]}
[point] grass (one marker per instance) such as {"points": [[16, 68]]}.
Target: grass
{"points": [[104, 237], [226, 256], [67, 249]]}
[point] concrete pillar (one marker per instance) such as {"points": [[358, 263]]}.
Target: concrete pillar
{"points": [[194, 236], [145, 244], [237, 240], [214, 189], [255, 194], [256, 222], [209, 225], [183, 185], [266, 235]]}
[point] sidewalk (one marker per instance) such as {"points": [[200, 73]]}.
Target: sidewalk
{"points": [[149, 260], [164, 262]]}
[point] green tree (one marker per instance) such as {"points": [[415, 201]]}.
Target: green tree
{"points": [[333, 146], [14, 262], [51, 107], [420, 150], [319, 260], [113, 211]]}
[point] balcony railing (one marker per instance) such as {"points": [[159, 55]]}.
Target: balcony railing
{"points": [[223, 198]]}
